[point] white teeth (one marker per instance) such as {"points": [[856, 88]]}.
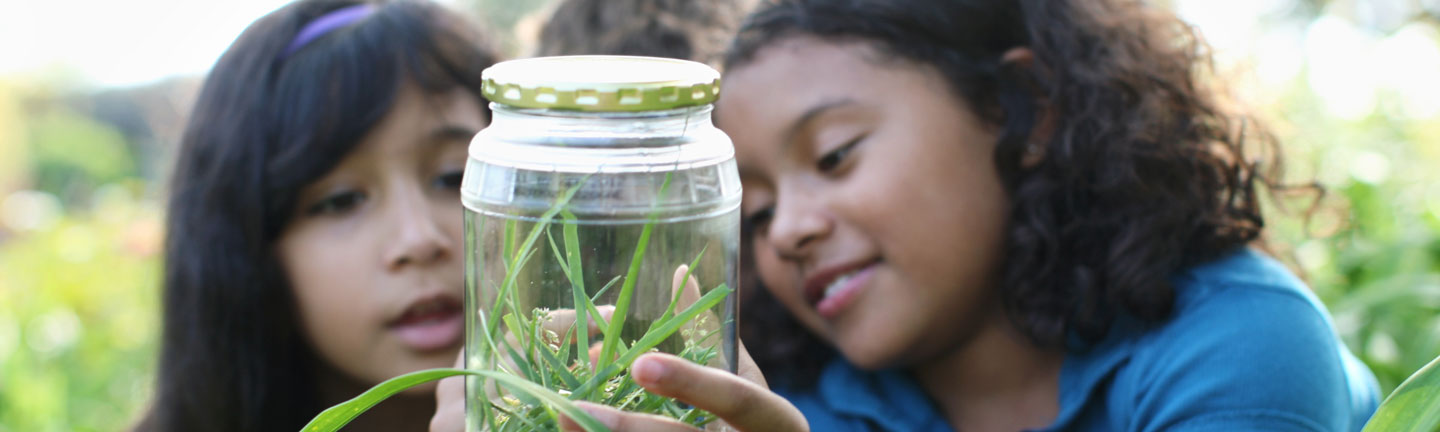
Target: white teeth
{"points": [[838, 282]]}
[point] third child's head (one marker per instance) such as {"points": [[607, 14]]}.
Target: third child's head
{"points": [[917, 172]]}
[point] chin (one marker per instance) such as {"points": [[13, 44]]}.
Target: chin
{"points": [[870, 357]]}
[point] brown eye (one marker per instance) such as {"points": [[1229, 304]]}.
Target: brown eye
{"points": [[450, 180], [832, 160], [337, 203], [759, 219]]}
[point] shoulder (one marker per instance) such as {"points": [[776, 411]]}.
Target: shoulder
{"points": [[847, 398], [1247, 345]]}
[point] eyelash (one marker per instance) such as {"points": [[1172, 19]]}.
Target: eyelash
{"points": [[758, 219], [834, 158], [450, 180], [826, 164], [344, 201], [337, 203]]}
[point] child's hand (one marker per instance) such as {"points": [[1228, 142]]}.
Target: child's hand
{"points": [[450, 402], [450, 394], [742, 402]]}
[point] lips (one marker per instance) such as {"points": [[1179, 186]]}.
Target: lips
{"points": [[431, 323], [832, 289]]}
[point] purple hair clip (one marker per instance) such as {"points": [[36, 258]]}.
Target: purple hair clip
{"points": [[325, 24]]}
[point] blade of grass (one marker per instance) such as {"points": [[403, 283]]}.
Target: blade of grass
{"points": [[559, 369], [571, 234], [521, 360], [599, 319], [677, 291], [1413, 406], [527, 248], [538, 344], [651, 339], [338, 416], [622, 303], [513, 417], [507, 296]]}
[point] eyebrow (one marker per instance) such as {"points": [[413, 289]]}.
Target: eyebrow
{"points": [[452, 132], [809, 116]]}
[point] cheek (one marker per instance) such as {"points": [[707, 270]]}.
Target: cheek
{"points": [[452, 221], [326, 282], [779, 278]]}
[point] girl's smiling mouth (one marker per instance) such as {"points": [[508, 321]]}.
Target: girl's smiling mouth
{"points": [[831, 290], [431, 323]]}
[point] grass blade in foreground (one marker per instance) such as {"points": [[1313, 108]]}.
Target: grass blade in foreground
{"points": [[338, 416], [1413, 406]]}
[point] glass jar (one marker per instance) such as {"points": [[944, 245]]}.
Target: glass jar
{"points": [[600, 187]]}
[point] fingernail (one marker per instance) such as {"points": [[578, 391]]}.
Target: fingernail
{"points": [[602, 415], [647, 371], [568, 425]]}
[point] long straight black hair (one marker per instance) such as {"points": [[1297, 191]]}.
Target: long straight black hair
{"points": [[266, 124]]}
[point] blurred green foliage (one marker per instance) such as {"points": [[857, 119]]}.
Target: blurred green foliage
{"points": [[1371, 251], [73, 154], [78, 292]]}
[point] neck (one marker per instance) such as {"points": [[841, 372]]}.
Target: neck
{"points": [[997, 381], [402, 412]]}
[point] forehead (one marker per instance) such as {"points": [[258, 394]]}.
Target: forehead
{"points": [[796, 73], [417, 114], [764, 99], [801, 65]]}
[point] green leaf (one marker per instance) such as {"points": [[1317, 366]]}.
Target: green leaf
{"points": [[506, 295], [599, 319], [515, 418], [1413, 406], [622, 303], [573, 270], [559, 368], [520, 360], [675, 292], [338, 416], [527, 249], [651, 339]]}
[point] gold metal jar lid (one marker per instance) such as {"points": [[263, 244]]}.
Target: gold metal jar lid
{"points": [[601, 83]]}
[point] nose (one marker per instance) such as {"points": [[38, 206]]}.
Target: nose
{"points": [[799, 223], [419, 235]]}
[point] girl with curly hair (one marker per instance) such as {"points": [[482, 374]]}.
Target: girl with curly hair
{"points": [[1004, 215]]}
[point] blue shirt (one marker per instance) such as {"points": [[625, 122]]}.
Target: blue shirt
{"points": [[1248, 347]]}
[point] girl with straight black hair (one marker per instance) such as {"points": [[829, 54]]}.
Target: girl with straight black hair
{"points": [[313, 227]]}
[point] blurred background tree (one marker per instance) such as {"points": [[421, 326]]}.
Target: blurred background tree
{"points": [[1351, 87]]}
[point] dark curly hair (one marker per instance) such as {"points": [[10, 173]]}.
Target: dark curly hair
{"points": [[1145, 170], [683, 29]]}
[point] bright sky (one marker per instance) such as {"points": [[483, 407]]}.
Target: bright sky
{"points": [[108, 43], [121, 42], [116, 43]]}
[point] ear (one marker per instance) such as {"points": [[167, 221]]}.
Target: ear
{"points": [[1023, 58]]}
